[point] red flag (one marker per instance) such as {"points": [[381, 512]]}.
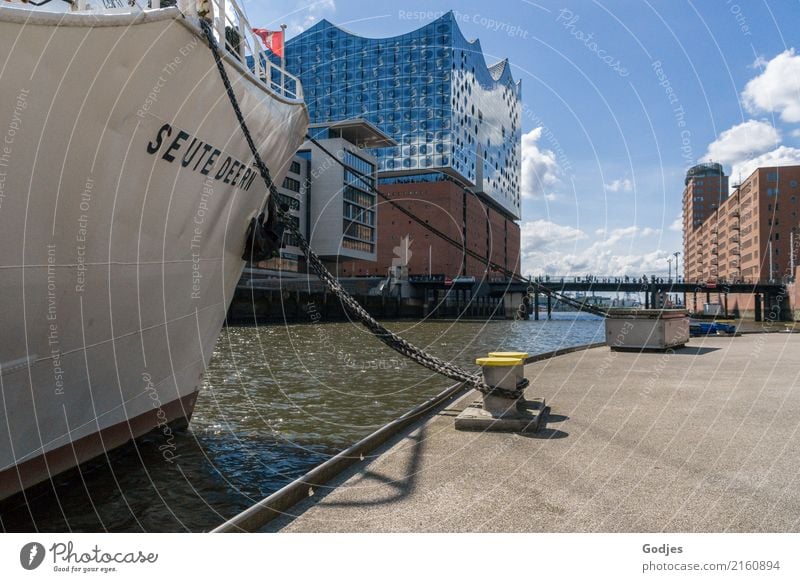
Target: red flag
{"points": [[273, 40]]}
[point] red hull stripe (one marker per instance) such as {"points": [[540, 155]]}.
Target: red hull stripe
{"points": [[33, 471]]}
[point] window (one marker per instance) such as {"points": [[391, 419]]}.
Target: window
{"points": [[357, 231], [359, 214], [772, 191], [290, 240], [295, 167], [291, 184], [363, 182], [292, 203], [359, 164], [772, 177], [356, 245], [356, 196]]}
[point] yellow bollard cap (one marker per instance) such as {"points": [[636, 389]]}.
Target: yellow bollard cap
{"points": [[517, 355], [492, 362]]}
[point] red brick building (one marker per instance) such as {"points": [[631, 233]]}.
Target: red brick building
{"points": [[470, 219], [749, 236]]}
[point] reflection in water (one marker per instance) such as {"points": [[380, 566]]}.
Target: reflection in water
{"points": [[277, 401]]}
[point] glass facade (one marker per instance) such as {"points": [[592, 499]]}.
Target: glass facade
{"points": [[430, 90], [358, 203]]}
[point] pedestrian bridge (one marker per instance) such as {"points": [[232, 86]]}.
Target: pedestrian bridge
{"points": [[769, 297]]}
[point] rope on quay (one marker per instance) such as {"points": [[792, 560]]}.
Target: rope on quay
{"points": [[385, 335]]}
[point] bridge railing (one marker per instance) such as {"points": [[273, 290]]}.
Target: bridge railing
{"points": [[652, 279]]}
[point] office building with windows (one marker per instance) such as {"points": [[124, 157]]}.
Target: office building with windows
{"points": [[455, 124], [750, 235], [342, 221], [705, 188], [293, 197], [329, 193]]}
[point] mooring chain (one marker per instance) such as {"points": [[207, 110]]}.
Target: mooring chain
{"points": [[388, 337], [531, 284]]}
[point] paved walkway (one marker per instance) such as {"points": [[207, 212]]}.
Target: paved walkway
{"points": [[705, 439]]}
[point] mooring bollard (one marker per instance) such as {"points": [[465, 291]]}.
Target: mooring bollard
{"points": [[501, 372], [516, 355], [519, 369], [505, 370]]}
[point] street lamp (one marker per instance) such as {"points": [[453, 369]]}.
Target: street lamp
{"points": [[675, 254], [669, 260]]}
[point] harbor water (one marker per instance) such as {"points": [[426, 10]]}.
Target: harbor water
{"points": [[277, 401]]}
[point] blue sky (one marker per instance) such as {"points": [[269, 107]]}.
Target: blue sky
{"points": [[620, 98]]}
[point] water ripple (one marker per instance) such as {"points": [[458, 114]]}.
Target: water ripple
{"points": [[276, 402]]}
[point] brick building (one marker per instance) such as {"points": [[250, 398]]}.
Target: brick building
{"points": [[450, 208], [750, 235]]}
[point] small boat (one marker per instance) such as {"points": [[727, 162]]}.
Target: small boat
{"points": [[701, 328]]}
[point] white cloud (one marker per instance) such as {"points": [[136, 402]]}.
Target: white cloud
{"points": [[602, 263], [298, 15], [796, 133], [550, 248], [542, 234], [777, 89], [677, 224], [624, 185], [782, 156], [619, 234], [540, 170], [743, 141], [316, 11]]}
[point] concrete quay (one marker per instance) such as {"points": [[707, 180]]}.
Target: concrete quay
{"points": [[705, 439]]}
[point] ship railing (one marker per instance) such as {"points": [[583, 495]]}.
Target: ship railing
{"points": [[234, 32]]}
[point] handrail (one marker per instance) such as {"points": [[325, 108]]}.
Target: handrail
{"points": [[224, 19], [228, 19]]}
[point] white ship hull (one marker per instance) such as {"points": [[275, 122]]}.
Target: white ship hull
{"points": [[119, 258]]}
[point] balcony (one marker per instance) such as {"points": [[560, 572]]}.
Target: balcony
{"points": [[734, 213]]}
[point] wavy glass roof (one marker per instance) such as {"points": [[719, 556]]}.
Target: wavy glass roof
{"points": [[430, 90]]}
